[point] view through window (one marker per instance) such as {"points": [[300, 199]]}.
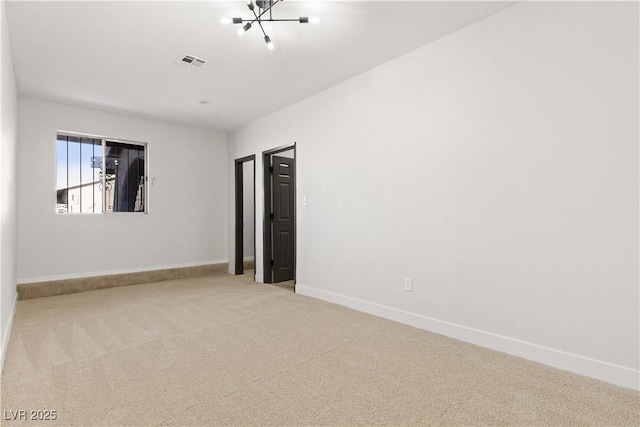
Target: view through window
{"points": [[86, 183]]}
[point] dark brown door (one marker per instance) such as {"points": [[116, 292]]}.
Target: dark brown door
{"points": [[283, 219]]}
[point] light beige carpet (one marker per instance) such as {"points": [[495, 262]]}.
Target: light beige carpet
{"points": [[225, 351]]}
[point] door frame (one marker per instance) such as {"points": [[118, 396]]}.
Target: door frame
{"points": [[239, 202], [267, 271]]}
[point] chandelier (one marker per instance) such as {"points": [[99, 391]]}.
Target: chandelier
{"points": [[262, 12]]}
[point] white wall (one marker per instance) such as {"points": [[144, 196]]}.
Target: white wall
{"points": [[498, 167], [8, 175], [289, 154], [186, 221], [248, 209]]}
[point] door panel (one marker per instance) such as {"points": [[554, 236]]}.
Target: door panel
{"points": [[283, 225]]}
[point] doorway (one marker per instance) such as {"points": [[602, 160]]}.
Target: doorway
{"points": [[279, 261], [245, 171]]}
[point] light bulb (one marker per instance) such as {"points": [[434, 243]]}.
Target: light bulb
{"points": [[314, 20], [270, 45], [225, 21], [244, 29]]}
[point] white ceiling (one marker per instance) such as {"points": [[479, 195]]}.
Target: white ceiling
{"points": [[120, 56]]}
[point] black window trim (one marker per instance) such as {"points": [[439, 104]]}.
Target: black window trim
{"points": [[104, 140]]}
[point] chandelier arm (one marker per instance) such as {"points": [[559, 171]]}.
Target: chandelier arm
{"points": [[269, 20], [269, 8], [257, 18], [259, 21], [256, 15], [260, 24]]}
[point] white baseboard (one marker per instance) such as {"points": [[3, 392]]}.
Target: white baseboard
{"points": [[231, 270], [248, 258], [111, 272], [259, 278], [7, 333], [604, 371]]}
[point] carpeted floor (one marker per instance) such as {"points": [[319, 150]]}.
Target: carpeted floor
{"points": [[226, 351]]}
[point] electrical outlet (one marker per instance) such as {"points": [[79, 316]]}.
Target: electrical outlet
{"points": [[408, 284]]}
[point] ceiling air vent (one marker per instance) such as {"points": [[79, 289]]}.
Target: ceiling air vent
{"points": [[191, 61]]}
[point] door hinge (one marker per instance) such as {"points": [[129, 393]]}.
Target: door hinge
{"points": [[271, 169], [272, 262], [271, 215]]}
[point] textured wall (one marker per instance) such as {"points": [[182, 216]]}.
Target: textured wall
{"points": [[8, 184], [186, 221], [498, 167]]}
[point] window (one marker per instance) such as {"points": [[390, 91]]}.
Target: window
{"points": [[87, 184]]}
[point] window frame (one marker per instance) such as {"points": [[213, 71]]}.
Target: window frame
{"points": [[104, 140]]}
